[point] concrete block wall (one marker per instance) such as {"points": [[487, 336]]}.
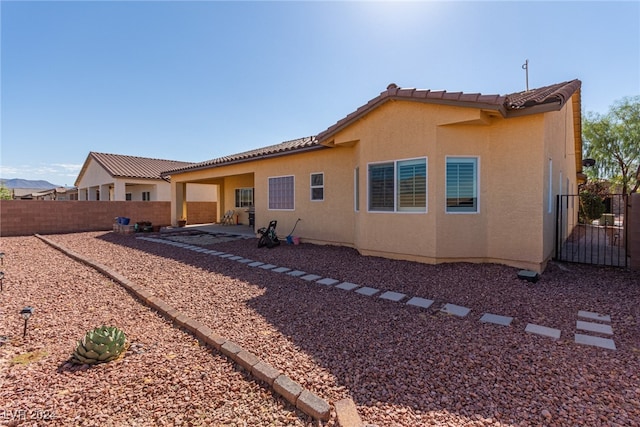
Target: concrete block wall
{"points": [[202, 212], [26, 217], [633, 231]]}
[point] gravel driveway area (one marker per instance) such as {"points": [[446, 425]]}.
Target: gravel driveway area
{"points": [[402, 365]]}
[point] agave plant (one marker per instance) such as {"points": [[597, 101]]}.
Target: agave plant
{"points": [[100, 345]]}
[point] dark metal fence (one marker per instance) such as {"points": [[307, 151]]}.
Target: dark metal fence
{"points": [[601, 241]]}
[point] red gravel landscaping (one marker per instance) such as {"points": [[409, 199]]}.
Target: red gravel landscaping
{"points": [[402, 365]]}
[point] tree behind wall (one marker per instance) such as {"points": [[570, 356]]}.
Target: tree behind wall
{"points": [[613, 140]]}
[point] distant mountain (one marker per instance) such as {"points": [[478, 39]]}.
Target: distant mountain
{"points": [[27, 183]]}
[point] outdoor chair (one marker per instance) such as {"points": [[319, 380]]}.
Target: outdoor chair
{"points": [[227, 219]]}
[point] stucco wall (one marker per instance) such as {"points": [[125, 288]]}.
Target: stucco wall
{"points": [[25, 217], [514, 224]]}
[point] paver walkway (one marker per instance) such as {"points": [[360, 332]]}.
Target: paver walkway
{"points": [[596, 324]]}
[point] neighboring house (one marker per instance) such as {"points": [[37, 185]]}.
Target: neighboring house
{"points": [[428, 176], [118, 177], [59, 193]]}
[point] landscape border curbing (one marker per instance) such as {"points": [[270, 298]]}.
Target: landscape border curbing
{"points": [[292, 392]]}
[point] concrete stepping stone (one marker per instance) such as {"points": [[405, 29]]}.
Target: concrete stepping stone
{"points": [[456, 310], [594, 327], [420, 302], [594, 316], [225, 255], [310, 277], [367, 291], [392, 296], [347, 286], [327, 281], [595, 341], [235, 258], [255, 264], [281, 270], [497, 319], [542, 330], [268, 266], [297, 273], [245, 260]]}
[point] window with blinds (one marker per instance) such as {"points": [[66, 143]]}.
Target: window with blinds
{"points": [[281, 193], [399, 186], [462, 184]]}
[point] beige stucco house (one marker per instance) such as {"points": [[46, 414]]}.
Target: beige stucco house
{"points": [[118, 177], [429, 176]]}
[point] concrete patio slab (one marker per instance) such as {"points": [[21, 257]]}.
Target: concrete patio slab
{"points": [[367, 291], [347, 286], [281, 270], [497, 319], [595, 341], [392, 296], [542, 330], [455, 310], [311, 277], [420, 302], [594, 327], [297, 273], [594, 316], [327, 281]]}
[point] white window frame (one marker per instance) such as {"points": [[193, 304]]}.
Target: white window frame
{"points": [[396, 208], [476, 184], [293, 193], [241, 199], [313, 187]]}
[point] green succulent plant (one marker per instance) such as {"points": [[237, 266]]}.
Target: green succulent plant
{"points": [[100, 345]]}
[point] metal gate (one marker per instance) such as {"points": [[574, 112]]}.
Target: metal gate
{"points": [[602, 241]]}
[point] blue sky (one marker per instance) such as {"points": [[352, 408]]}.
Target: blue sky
{"points": [[193, 81]]}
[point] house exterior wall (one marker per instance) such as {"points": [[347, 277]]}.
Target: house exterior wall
{"points": [[515, 222]]}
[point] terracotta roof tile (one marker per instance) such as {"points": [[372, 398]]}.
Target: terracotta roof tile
{"points": [[307, 143], [135, 167], [558, 93]]}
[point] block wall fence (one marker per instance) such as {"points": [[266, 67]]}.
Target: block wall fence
{"points": [[27, 217]]}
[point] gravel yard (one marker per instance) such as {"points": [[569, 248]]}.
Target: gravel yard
{"points": [[402, 365]]}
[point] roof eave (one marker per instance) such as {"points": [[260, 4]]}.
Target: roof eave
{"points": [[238, 161]]}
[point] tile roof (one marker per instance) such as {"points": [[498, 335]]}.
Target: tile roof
{"points": [[506, 105], [300, 144], [553, 97], [121, 166]]}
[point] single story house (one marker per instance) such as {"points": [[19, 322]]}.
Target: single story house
{"points": [[421, 175], [118, 177]]}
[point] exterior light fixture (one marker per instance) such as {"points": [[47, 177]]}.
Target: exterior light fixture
{"points": [[588, 163], [26, 314]]}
